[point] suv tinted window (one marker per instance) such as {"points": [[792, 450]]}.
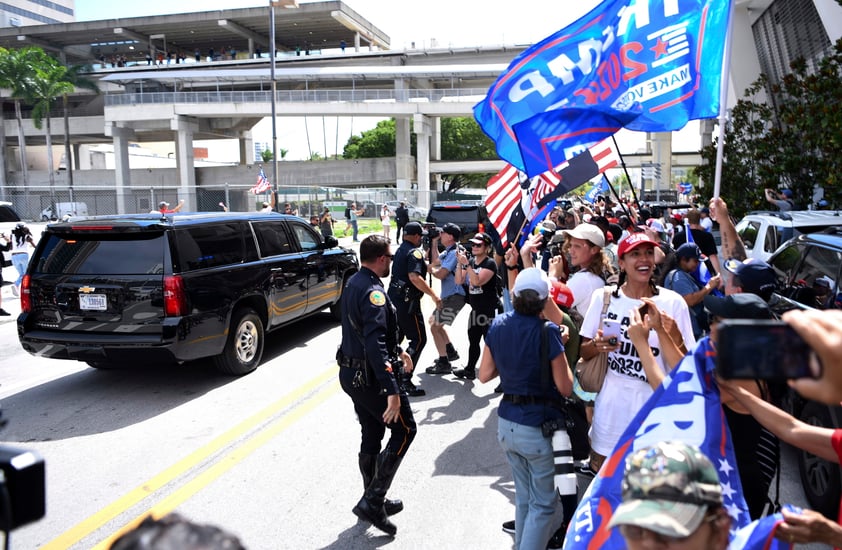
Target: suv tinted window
{"points": [[96, 254], [210, 246], [817, 275], [271, 238], [307, 238], [748, 234]]}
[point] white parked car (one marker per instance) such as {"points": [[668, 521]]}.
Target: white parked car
{"points": [[763, 232], [416, 213]]}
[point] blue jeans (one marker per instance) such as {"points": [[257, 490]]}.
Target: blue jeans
{"points": [[354, 228], [530, 455], [20, 261]]}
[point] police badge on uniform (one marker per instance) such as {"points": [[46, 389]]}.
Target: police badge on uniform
{"points": [[377, 298], [416, 252]]}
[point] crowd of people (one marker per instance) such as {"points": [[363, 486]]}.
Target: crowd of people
{"points": [[635, 287]]}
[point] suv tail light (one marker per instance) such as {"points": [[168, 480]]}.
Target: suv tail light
{"points": [[25, 300], [175, 301]]}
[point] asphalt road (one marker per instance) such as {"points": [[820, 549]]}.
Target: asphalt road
{"points": [[270, 456]]}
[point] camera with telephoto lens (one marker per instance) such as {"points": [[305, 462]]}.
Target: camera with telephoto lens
{"points": [[549, 427], [433, 232], [23, 494]]}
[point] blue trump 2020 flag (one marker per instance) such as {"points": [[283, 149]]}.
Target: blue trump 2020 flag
{"points": [[646, 65], [686, 407]]}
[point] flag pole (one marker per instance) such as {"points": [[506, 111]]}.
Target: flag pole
{"points": [[723, 101], [625, 170], [616, 194]]}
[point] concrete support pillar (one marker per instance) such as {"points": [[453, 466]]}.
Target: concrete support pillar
{"points": [[185, 128], [423, 130], [435, 152], [122, 172], [246, 142], [74, 151], [662, 156], [745, 67], [403, 150], [356, 42]]}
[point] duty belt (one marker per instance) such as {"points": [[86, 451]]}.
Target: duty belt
{"points": [[352, 363]]}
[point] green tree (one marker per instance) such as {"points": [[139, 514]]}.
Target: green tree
{"points": [[461, 139], [17, 71], [266, 155], [791, 141], [48, 84], [76, 76]]}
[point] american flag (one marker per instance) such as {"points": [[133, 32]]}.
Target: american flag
{"points": [[262, 184], [506, 200]]}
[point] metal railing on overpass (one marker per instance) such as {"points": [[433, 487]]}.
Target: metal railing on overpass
{"points": [[298, 96]]}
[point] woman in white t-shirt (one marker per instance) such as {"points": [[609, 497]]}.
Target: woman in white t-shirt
{"points": [[584, 245], [626, 387], [386, 220], [21, 243]]}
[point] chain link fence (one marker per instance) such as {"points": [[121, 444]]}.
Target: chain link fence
{"points": [[45, 203]]}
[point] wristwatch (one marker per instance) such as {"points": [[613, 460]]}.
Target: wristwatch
{"points": [[511, 267]]}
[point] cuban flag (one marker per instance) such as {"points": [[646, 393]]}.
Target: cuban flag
{"points": [[685, 187], [262, 184], [686, 407], [648, 66]]}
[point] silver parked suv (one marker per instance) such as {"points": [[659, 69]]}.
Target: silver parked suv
{"points": [[763, 232]]}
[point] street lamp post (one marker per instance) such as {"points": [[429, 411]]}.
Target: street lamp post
{"points": [[274, 97], [272, 5]]}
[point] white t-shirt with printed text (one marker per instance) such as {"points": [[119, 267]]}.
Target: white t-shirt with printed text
{"points": [[626, 388]]}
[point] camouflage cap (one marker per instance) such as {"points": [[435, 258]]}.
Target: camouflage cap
{"points": [[668, 488]]}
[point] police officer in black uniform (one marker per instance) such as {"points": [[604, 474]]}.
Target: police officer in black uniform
{"points": [[369, 358], [405, 290]]}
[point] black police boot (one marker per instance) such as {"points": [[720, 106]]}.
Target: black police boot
{"points": [[407, 387], [368, 463], [370, 507]]}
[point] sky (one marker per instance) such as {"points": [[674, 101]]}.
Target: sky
{"points": [[425, 22]]}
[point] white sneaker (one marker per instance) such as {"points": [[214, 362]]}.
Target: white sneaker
{"points": [[15, 291]]}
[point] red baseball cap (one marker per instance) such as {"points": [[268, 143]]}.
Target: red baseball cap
{"points": [[561, 293], [633, 241]]}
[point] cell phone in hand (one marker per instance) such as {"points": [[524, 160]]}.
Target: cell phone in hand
{"points": [[611, 330], [643, 310], [762, 350]]}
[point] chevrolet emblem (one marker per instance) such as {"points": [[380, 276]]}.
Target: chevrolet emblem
{"points": [[86, 289]]}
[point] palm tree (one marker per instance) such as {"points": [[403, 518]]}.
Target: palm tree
{"points": [[75, 75], [17, 69], [50, 83]]}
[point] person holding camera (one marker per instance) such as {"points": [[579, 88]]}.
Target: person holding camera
{"points": [[370, 359], [527, 417], [443, 267], [4, 248], [479, 275], [406, 289], [781, 199]]}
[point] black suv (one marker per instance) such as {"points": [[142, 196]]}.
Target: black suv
{"points": [[809, 274], [145, 288], [470, 216]]}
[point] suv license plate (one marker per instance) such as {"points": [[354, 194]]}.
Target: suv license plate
{"points": [[95, 302]]}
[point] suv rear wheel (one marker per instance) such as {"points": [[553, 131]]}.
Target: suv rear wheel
{"points": [[244, 347], [819, 478]]}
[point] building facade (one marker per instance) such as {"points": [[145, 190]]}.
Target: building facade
{"points": [[19, 13]]}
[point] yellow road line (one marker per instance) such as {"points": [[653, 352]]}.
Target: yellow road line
{"points": [[96, 521]]}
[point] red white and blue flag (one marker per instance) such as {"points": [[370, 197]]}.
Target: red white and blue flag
{"points": [[514, 202], [262, 184], [686, 407], [643, 65]]}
